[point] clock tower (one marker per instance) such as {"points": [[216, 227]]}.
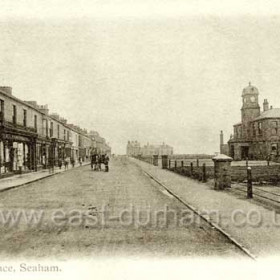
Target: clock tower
{"points": [[250, 108]]}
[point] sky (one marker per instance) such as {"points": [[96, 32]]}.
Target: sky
{"points": [[152, 71]]}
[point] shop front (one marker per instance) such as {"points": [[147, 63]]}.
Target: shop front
{"points": [[17, 151]]}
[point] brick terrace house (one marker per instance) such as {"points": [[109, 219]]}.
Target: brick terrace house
{"points": [[257, 136], [31, 138]]}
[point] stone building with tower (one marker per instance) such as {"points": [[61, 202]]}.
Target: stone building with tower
{"points": [[257, 136]]}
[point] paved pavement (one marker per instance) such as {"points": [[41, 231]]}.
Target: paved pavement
{"points": [[26, 178], [85, 213], [252, 225]]}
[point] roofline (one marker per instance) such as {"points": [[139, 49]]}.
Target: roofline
{"points": [[265, 118], [11, 96]]}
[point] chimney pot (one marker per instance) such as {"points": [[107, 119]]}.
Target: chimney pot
{"points": [[265, 105]]}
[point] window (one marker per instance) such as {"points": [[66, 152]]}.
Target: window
{"points": [[68, 135], [274, 149], [254, 129], [274, 128], [64, 134], [47, 128], [14, 114], [35, 122], [51, 130], [260, 127], [58, 132], [1, 109], [24, 117]]}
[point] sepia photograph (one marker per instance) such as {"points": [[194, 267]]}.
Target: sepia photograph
{"points": [[139, 139]]}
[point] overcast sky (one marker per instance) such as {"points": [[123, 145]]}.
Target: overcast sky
{"points": [[153, 71]]}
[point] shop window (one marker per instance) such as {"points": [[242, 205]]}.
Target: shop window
{"points": [[58, 132]]}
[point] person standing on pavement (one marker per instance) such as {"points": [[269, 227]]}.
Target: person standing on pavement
{"points": [[59, 163], [99, 161], [73, 162], [66, 163]]}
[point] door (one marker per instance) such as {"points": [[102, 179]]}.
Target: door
{"points": [[244, 152]]}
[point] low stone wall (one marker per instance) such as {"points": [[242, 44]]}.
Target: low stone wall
{"points": [[148, 159], [259, 173], [195, 173]]}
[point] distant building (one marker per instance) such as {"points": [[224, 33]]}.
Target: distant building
{"points": [[257, 136], [134, 149]]}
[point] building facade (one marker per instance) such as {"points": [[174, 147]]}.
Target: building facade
{"points": [[31, 138], [134, 148], [257, 136]]}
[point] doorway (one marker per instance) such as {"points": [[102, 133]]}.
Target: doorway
{"points": [[244, 153]]}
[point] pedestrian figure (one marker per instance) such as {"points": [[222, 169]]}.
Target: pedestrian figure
{"points": [[66, 163], [99, 162], [60, 163], [91, 161], [96, 162], [73, 162], [106, 162], [80, 161]]}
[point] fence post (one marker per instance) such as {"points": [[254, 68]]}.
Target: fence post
{"points": [[249, 183], [164, 161], [191, 168], [175, 165], [247, 162], [222, 172], [204, 179], [197, 162]]}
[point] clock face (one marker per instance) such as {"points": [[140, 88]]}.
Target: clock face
{"points": [[253, 99]]}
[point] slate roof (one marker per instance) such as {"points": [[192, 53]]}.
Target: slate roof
{"points": [[270, 114]]}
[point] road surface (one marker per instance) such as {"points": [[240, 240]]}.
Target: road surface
{"points": [[82, 213]]}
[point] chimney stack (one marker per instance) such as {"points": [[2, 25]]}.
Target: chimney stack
{"points": [[265, 105], [44, 109], [222, 138], [221, 141], [7, 90]]}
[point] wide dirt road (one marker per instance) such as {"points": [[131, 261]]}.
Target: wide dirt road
{"points": [[83, 213]]}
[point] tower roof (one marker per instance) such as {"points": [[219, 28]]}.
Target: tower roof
{"points": [[250, 90]]}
